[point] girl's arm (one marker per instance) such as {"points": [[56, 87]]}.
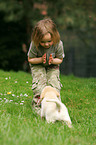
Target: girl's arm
{"points": [[54, 60], [57, 61], [37, 60]]}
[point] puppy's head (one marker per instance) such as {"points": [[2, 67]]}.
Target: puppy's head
{"points": [[48, 89]]}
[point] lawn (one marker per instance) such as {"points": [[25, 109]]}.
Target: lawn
{"points": [[20, 125]]}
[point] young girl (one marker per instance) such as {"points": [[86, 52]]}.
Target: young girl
{"points": [[44, 56]]}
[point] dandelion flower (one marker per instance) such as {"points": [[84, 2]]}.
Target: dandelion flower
{"points": [[8, 93]]}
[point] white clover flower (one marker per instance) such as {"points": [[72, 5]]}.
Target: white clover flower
{"points": [[17, 96], [13, 95], [16, 103], [1, 94], [11, 100], [9, 77], [6, 101], [0, 98], [4, 98], [15, 81], [25, 95], [21, 103], [21, 94], [6, 78], [27, 82]]}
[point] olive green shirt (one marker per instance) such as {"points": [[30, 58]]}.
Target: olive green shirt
{"points": [[57, 51]]}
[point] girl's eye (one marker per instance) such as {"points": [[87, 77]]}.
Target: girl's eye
{"points": [[42, 42], [45, 42]]}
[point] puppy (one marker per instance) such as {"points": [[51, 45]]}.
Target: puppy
{"points": [[52, 108]]}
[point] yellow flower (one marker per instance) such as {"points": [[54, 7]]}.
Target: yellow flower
{"points": [[8, 93]]}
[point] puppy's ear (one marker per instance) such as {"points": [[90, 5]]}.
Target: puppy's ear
{"points": [[57, 93], [46, 89], [39, 102], [42, 95]]}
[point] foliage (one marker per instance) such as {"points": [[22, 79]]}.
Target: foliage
{"points": [[73, 13], [12, 9], [66, 13], [11, 45], [19, 124], [74, 19]]}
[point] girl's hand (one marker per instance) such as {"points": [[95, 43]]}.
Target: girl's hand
{"points": [[50, 59], [44, 58]]}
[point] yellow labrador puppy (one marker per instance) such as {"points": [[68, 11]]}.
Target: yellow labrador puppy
{"points": [[52, 108]]}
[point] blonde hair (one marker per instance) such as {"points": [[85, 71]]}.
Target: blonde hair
{"points": [[43, 27]]}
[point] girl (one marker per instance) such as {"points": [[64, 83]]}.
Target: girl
{"points": [[44, 56]]}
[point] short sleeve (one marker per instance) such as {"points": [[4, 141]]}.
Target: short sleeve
{"points": [[32, 53], [60, 50]]}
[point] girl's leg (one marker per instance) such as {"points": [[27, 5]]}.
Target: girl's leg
{"points": [[53, 77], [38, 81]]}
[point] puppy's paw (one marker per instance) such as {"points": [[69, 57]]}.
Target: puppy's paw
{"points": [[42, 117], [69, 124], [50, 121]]}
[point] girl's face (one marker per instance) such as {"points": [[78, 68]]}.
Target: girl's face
{"points": [[46, 41]]}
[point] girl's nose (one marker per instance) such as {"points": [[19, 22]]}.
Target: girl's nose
{"points": [[46, 44]]}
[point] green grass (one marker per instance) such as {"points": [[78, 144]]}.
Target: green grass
{"points": [[20, 125]]}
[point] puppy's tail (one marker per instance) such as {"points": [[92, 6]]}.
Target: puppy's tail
{"points": [[58, 103]]}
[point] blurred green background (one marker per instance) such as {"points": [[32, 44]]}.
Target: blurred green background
{"points": [[75, 20]]}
